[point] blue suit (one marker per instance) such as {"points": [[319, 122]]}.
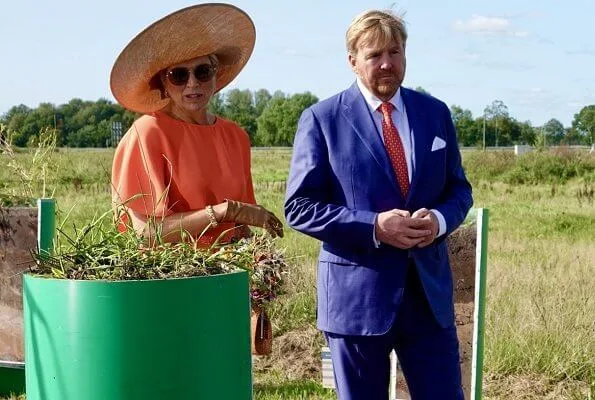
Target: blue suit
{"points": [[341, 178]]}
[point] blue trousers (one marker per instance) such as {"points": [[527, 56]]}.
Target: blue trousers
{"points": [[428, 354]]}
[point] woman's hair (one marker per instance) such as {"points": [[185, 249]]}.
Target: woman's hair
{"points": [[375, 26]]}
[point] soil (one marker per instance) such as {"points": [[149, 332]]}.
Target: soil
{"points": [[18, 237], [461, 246], [296, 355]]}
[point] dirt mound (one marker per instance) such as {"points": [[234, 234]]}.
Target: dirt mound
{"points": [[296, 354], [461, 253], [18, 236], [11, 334]]}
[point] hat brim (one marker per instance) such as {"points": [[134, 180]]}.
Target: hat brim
{"points": [[204, 29]]}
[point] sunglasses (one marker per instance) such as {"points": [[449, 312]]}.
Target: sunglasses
{"points": [[202, 72]]}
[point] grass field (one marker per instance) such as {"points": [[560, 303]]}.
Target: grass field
{"points": [[540, 321]]}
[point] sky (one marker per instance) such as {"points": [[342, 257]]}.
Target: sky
{"points": [[538, 57]]}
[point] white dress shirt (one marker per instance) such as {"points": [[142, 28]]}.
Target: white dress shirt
{"points": [[399, 117]]}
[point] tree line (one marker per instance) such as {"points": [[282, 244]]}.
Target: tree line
{"points": [[497, 128], [271, 120]]}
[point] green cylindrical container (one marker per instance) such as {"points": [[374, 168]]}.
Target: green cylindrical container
{"points": [[12, 378], [157, 339]]}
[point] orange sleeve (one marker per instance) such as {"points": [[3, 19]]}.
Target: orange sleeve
{"points": [[140, 171], [250, 198]]}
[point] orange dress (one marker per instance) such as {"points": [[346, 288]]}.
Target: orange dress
{"points": [[164, 166]]}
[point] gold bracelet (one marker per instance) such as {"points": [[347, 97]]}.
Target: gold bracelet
{"points": [[211, 214]]}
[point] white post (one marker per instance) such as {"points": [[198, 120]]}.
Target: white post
{"points": [[393, 376]]}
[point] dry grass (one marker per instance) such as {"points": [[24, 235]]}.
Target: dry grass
{"points": [[540, 311], [534, 387]]}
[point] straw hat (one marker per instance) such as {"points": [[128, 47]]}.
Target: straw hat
{"points": [[200, 30]]}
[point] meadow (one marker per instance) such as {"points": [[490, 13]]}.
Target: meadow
{"points": [[540, 314]]}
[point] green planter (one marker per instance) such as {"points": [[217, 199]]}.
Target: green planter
{"points": [[12, 378], [163, 339]]}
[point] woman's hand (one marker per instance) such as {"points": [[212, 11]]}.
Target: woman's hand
{"points": [[253, 215]]}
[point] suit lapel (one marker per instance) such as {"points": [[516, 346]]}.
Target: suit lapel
{"points": [[357, 112], [418, 125]]}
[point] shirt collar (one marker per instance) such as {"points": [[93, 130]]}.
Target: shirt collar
{"points": [[374, 102]]}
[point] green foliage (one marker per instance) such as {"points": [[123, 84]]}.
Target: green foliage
{"points": [[31, 173], [469, 132], [530, 168], [296, 390], [583, 125], [89, 124], [552, 132], [77, 124], [550, 167], [422, 90], [270, 120], [500, 129], [487, 165], [239, 107], [278, 123]]}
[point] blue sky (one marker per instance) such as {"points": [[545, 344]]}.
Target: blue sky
{"points": [[538, 57]]}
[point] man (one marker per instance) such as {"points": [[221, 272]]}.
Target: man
{"points": [[376, 175]]}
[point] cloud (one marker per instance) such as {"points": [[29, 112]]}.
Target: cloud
{"points": [[581, 52], [478, 61], [482, 25], [468, 56], [289, 52]]}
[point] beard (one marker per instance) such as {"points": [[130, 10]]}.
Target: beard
{"points": [[385, 88]]}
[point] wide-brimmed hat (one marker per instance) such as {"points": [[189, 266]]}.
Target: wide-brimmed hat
{"points": [[200, 30]]}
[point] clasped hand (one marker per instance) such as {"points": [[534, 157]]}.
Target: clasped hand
{"points": [[400, 229]]}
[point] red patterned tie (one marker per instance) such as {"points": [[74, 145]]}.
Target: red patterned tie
{"points": [[394, 147]]}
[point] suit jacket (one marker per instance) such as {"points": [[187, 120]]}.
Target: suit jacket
{"points": [[340, 179]]}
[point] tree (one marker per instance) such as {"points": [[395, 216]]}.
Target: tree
{"points": [[422, 90], [14, 120], [553, 132], [40, 118], [261, 99], [527, 133], [217, 104], [278, 122], [583, 125], [468, 132], [239, 108], [496, 113], [21, 109]]}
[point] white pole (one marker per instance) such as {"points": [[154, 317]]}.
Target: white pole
{"points": [[393, 376], [484, 130]]}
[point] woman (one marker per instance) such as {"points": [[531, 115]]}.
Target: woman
{"points": [[180, 170]]}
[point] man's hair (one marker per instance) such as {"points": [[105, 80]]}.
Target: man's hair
{"points": [[375, 26]]}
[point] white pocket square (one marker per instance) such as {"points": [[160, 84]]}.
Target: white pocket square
{"points": [[438, 144]]}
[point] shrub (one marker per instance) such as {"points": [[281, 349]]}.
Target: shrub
{"points": [[556, 166]]}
